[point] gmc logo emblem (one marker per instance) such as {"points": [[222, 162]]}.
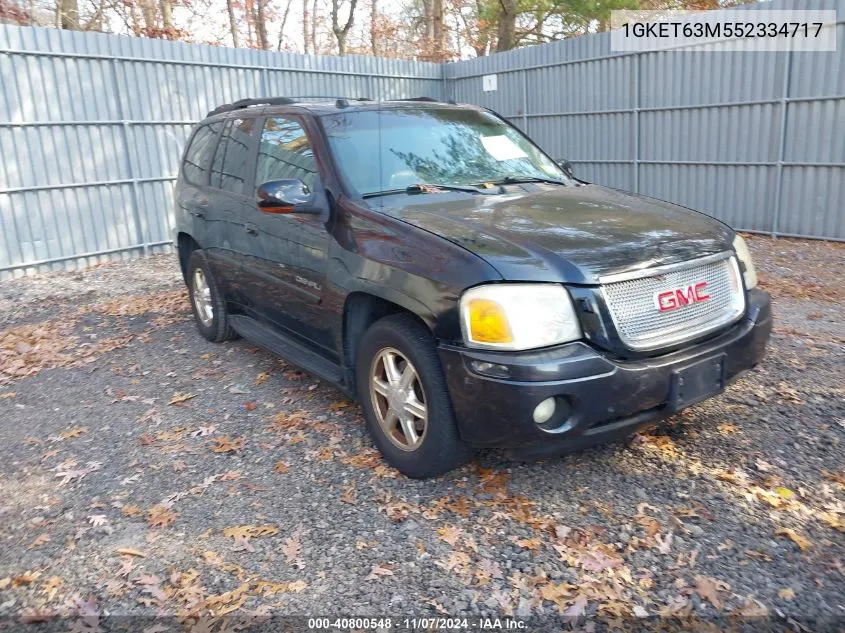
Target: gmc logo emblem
{"points": [[671, 299]]}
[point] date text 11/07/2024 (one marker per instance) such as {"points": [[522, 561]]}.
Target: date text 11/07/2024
{"points": [[414, 624]]}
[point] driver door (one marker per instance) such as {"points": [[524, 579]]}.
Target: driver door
{"points": [[291, 250]]}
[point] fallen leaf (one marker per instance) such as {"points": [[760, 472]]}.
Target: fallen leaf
{"points": [[726, 428], [786, 594], [74, 432], [98, 519], [39, 541], [752, 609], [159, 516], [731, 476], [664, 544], [130, 480], [262, 587], [577, 609], [128, 551], [281, 467], [227, 445], [789, 394], [450, 534], [349, 494], [803, 543], [835, 521], [291, 548], [560, 594], [250, 531], [69, 474], [51, 586], [26, 578], [179, 398], [379, 570], [708, 589], [762, 465], [212, 558], [36, 615], [838, 478], [753, 554]]}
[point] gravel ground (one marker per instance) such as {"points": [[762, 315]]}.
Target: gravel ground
{"points": [[150, 472]]}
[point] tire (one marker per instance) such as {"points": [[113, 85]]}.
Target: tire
{"points": [[214, 326], [438, 448]]}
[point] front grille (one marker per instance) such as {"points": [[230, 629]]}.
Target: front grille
{"points": [[641, 326]]}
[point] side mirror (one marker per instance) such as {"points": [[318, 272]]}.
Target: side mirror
{"points": [[566, 166], [285, 196]]}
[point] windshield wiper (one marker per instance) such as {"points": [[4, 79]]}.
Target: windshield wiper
{"points": [[514, 179], [423, 188]]}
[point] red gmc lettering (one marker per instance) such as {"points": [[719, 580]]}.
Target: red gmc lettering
{"points": [[671, 299]]}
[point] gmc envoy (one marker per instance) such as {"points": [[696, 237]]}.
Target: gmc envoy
{"points": [[434, 263]]}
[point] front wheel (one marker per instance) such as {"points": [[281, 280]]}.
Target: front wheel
{"points": [[403, 392]]}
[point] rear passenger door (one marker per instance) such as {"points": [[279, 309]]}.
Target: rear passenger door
{"points": [[292, 248], [194, 200], [230, 182]]}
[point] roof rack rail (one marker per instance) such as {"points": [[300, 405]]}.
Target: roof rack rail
{"points": [[342, 102], [245, 103], [428, 100], [331, 97]]}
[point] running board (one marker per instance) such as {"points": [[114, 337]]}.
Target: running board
{"points": [[284, 346]]}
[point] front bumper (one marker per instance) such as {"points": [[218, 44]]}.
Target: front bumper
{"points": [[602, 398]]}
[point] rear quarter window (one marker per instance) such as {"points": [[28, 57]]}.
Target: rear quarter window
{"points": [[195, 165], [233, 155]]}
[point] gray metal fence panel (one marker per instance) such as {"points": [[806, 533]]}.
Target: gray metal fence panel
{"points": [[92, 127], [755, 139]]}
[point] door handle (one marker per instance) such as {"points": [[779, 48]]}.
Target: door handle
{"points": [[251, 228], [198, 214]]}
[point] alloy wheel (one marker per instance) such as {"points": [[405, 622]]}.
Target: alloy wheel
{"points": [[398, 399], [202, 298]]}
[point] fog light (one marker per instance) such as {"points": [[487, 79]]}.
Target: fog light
{"points": [[544, 411]]}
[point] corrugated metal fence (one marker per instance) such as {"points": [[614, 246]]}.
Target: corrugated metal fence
{"points": [[755, 139], [92, 126]]}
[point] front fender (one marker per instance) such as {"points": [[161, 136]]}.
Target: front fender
{"points": [[417, 270]]}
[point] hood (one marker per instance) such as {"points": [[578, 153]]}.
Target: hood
{"points": [[566, 234]]}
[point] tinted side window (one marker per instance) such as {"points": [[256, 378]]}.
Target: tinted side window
{"points": [[195, 167], [228, 171], [285, 153]]}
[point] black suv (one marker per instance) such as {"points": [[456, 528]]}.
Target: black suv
{"points": [[433, 262]]}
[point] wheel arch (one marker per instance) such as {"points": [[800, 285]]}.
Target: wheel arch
{"points": [[361, 309], [185, 245]]}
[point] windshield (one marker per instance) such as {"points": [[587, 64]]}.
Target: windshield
{"points": [[383, 150]]}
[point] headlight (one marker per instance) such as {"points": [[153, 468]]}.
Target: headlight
{"points": [[518, 316], [745, 263]]}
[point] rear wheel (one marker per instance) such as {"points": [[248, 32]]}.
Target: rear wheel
{"points": [[208, 305], [403, 392]]}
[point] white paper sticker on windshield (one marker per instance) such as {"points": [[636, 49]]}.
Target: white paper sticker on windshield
{"points": [[502, 148]]}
